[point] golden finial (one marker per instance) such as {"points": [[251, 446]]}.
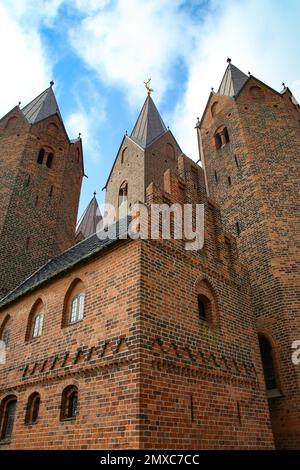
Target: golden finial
{"points": [[147, 85]]}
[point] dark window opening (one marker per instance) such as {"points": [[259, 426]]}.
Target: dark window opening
{"points": [[33, 407], [221, 138], [218, 141], [192, 407], [36, 201], [268, 364], [226, 135], [216, 177], [229, 180], [236, 161], [51, 191], [8, 412], [123, 193], [238, 228], [69, 406], [203, 307], [41, 155], [49, 161], [123, 155]]}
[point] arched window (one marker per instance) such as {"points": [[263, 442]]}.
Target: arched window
{"points": [[40, 157], [204, 308], [226, 135], [35, 321], [7, 417], [207, 308], [49, 161], [268, 363], [221, 137], [38, 325], [218, 141], [74, 303], [123, 155], [77, 308], [69, 403], [33, 408], [214, 109], [123, 193], [5, 331], [6, 337]]}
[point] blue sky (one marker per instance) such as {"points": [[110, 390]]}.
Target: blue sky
{"points": [[99, 52]]}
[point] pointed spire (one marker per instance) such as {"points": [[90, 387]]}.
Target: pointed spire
{"points": [[43, 106], [149, 125], [233, 80], [88, 223]]}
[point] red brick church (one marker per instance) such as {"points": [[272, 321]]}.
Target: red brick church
{"points": [[124, 343]]}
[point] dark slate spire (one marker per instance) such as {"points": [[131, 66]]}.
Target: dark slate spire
{"points": [[233, 80], [43, 106], [149, 125], [87, 224]]}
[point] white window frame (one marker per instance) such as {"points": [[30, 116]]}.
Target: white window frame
{"points": [[77, 308], [38, 325]]}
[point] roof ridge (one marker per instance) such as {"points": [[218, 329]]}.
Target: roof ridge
{"points": [[42, 106], [233, 80], [149, 125]]}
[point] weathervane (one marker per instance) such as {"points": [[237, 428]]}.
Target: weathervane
{"points": [[147, 85]]}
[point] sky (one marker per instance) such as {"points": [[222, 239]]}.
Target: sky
{"points": [[99, 52]]}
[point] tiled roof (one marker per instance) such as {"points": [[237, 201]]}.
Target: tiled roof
{"points": [[149, 125], [233, 81], [67, 260], [43, 106]]}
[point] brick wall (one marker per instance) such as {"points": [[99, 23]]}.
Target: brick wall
{"points": [[97, 354], [165, 378], [141, 167], [262, 160], [38, 209]]}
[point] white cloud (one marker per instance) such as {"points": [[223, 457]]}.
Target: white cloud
{"points": [[128, 41], [88, 116], [260, 37], [132, 41], [33, 12], [25, 67], [89, 6]]}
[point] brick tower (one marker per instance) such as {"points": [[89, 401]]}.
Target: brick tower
{"points": [[249, 139], [143, 157], [38, 166]]}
